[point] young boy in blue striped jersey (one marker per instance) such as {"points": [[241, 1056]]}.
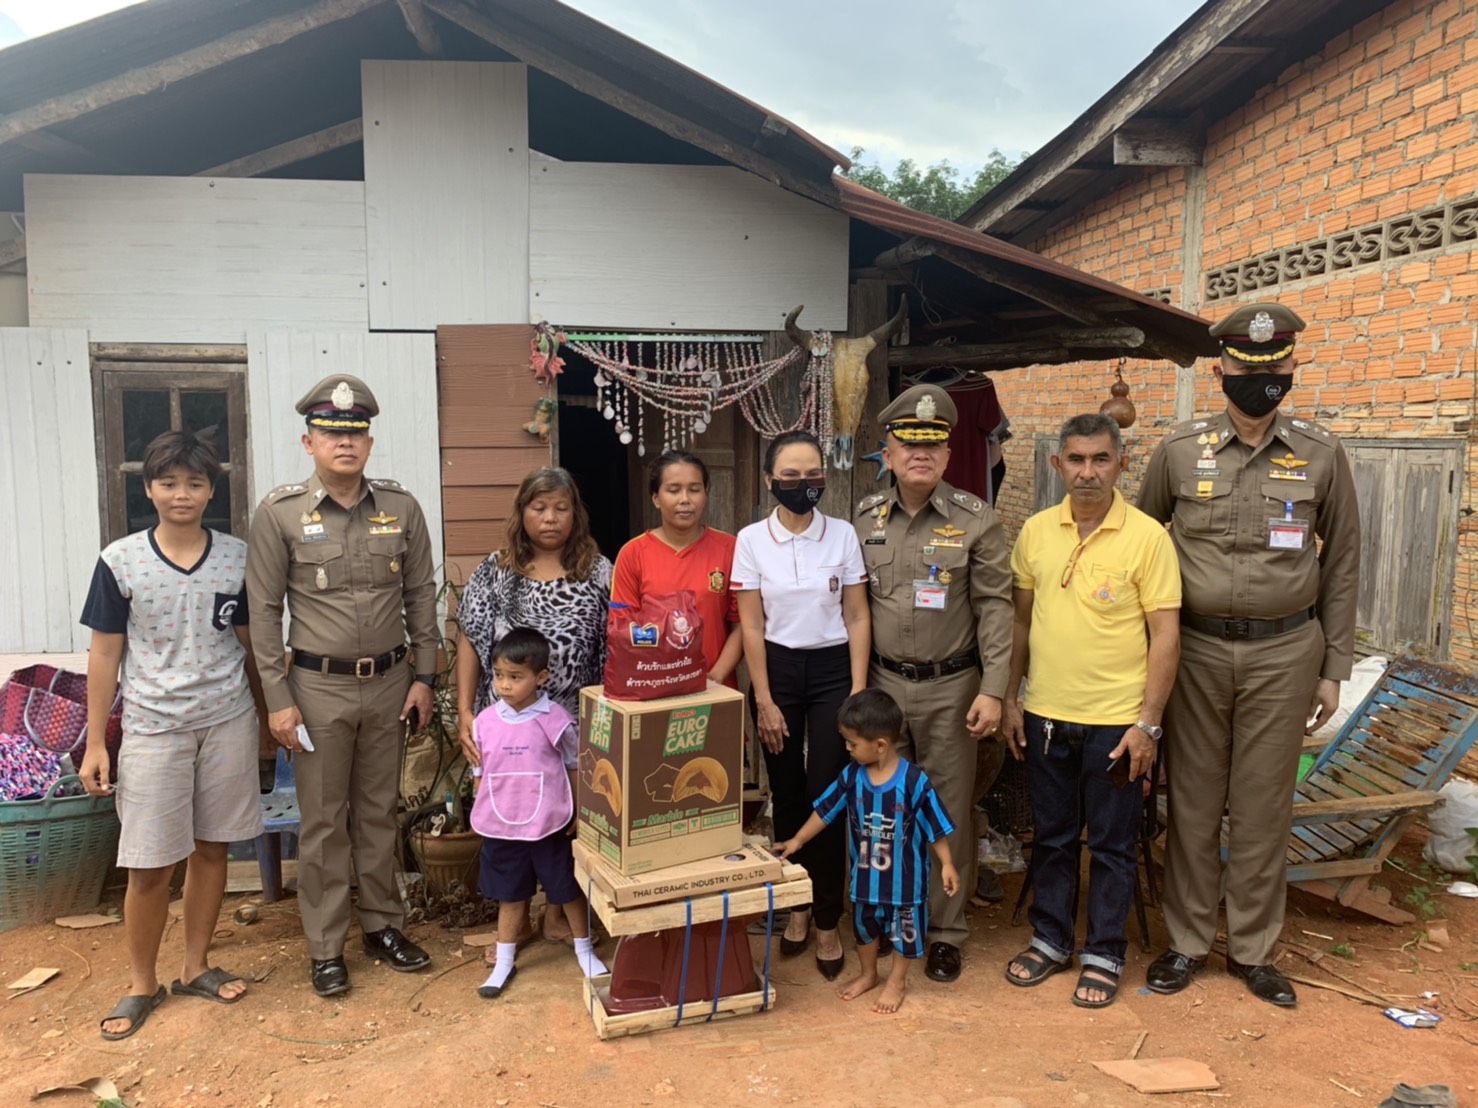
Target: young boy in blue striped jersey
{"points": [[892, 812]]}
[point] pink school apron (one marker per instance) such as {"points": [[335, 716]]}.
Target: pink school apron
{"points": [[524, 791]]}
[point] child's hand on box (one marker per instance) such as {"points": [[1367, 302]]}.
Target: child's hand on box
{"points": [[785, 848]]}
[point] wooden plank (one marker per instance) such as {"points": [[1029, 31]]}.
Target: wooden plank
{"points": [[794, 889], [658, 1019], [159, 75], [478, 502], [492, 426], [145, 355], [158, 259], [636, 246], [421, 26], [1331, 811], [459, 567], [1158, 142], [450, 246], [291, 152], [745, 155], [1325, 871], [473, 537], [502, 466]]}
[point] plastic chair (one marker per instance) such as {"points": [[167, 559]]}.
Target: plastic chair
{"points": [[279, 814]]}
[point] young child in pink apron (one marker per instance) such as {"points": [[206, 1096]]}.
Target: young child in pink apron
{"points": [[525, 762]]}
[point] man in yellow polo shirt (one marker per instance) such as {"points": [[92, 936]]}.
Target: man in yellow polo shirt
{"points": [[1097, 636]]}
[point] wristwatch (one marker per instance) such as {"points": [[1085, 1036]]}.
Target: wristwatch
{"points": [[1150, 729], [427, 679]]}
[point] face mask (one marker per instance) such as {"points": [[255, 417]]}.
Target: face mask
{"points": [[1257, 394], [798, 496]]}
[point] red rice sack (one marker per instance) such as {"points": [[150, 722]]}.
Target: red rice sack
{"points": [[655, 649]]}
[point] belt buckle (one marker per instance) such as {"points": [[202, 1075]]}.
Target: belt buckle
{"points": [[364, 668], [908, 671], [1239, 629]]}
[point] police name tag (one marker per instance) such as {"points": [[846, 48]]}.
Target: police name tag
{"points": [[1287, 534], [930, 594]]}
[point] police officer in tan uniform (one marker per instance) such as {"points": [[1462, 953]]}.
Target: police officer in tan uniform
{"points": [[1267, 635], [939, 582], [352, 558]]}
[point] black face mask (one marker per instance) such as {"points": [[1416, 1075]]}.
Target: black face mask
{"points": [[800, 495], [1256, 394]]}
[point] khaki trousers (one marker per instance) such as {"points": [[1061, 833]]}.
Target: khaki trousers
{"points": [[935, 739], [348, 789], [1233, 733]]}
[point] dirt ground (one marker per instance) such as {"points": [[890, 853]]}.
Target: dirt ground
{"points": [[427, 1039]]}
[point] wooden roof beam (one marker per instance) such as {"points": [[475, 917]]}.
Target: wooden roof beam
{"points": [[1215, 24], [152, 78], [1155, 142], [290, 153], [1026, 350], [582, 80], [421, 26], [54, 146]]}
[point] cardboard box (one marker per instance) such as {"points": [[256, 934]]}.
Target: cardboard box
{"points": [[749, 866], [661, 782]]}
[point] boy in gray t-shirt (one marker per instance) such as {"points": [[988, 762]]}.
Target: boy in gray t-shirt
{"points": [[168, 607]]}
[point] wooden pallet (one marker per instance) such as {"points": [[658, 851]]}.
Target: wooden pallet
{"points": [[657, 1019], [793, 889]]}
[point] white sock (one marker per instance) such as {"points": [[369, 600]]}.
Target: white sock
{"points": [[585, 955], [503, 965]]}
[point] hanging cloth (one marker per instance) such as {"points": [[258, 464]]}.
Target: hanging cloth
{"points": [[974, 446]]}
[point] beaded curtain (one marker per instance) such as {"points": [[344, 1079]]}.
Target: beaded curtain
{"points": [[686, 381]]}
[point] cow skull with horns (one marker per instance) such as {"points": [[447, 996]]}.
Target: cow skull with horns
{"points": [[849, 376]]}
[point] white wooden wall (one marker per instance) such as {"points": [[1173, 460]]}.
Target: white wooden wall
{"points": [[446, 157], [401, 371], [51, 535], [689, 247], [194, 259]]}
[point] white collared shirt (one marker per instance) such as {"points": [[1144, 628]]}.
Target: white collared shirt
{"points": [[800, 578], [569, 739]]}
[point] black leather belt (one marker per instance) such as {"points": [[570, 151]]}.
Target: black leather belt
{"points": [[363, 668], [927, 671], [1234, 629]]}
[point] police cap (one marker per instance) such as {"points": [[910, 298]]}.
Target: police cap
{"points": [[1260, 333], [339, 403], [924, 413]]}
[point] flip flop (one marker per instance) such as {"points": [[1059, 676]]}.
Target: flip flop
{"points": [[133, 1008], [1104, 981], [1040, 966], [207, 986]]}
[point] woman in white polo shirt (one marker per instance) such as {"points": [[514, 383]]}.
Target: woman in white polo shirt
{"points": [[802, 591]]}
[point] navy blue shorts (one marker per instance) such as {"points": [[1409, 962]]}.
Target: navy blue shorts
{"points": [[904, 924], [513, 868]]}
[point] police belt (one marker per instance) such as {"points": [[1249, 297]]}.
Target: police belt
{"points": [[927, 671], [363, 668], [1234, 629]]}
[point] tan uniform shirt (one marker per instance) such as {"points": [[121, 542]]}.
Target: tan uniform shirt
{"points": [[356, 580], [961, 534], [1219, 495]]}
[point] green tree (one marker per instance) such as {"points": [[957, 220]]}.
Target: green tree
{"points": [[939, 190]]}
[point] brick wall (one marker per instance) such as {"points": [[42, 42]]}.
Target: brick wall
{"points": [[1383, 123]]}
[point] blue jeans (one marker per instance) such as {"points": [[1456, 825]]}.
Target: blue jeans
{"points": [[1069, 786]]}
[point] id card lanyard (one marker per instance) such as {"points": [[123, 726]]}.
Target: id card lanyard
{"points": [[931, 593], [1287, 533]]}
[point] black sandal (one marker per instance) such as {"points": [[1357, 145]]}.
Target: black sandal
{"points": [[134, 1008], [1105, 981], [1038, 965]]}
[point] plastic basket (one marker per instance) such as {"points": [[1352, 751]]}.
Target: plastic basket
{"points": [[54, 855], [1008, 804]]}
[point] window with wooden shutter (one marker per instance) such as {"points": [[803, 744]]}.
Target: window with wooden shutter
{"points": [[1047, 484], [1409, 493]]}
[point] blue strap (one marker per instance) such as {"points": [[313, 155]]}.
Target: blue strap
{"points": [[769, 936], [718, 977], [682, 985], [589, 888]]}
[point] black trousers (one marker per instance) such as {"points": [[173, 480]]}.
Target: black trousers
{"points": [[808, 686]]}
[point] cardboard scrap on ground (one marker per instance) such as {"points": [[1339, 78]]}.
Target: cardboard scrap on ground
{"points": [[1162, 1075], [482, 938], [35, 979], [91, 919], [97, 1086]]}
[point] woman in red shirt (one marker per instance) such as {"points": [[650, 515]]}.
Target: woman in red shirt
{"points": [[684, 553]]}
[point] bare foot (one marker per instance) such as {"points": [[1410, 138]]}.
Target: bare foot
{"points": [[892, 997], [863, 982]]}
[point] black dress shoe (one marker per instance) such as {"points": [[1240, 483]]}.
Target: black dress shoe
{"points": [[1172, 971], [395, 949], [1265, 983], [330, 976], [943, 963]]}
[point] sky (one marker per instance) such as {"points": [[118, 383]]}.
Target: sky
{"points": [[928, 80]]}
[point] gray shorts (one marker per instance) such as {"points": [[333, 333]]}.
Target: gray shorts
{"points": [[179, 786]]}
